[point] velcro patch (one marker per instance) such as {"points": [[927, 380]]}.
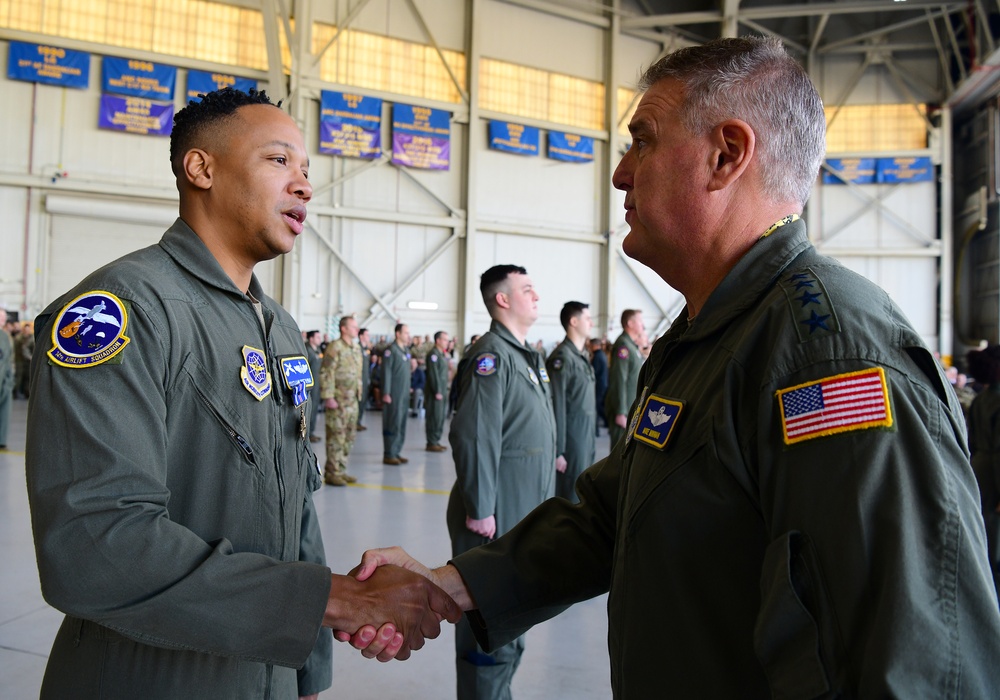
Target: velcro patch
{"points": [[623, 353], [837, 404], [486, 364], [89, 331], [657, 420]]}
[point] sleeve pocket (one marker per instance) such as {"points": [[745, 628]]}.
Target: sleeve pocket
{"points": [[786, 636]]}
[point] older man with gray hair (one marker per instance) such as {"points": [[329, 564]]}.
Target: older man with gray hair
{"points": [[791, 513]]}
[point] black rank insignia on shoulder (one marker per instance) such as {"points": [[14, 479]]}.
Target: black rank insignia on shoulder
{"points": [[812, 311]]}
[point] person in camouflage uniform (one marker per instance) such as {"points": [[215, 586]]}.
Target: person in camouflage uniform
{"points": [[437, 391], [340, 387]]}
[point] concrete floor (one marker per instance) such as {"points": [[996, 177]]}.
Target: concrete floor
{"points": [[565, 658]]}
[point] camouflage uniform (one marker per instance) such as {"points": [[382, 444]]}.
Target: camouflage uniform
{"points": [[340, 379]]}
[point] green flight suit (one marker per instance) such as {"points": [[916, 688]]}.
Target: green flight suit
{"points": [[623, 378], [572, 378], [170, 487], [6, 383], [396, 375], [984, 443], [437, 383], [503, 439], [849, 565]]}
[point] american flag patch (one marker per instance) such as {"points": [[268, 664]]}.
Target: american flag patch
{"points": [[851, 401]]}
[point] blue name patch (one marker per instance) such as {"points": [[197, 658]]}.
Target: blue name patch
{"points": [[657, 420], [296, 371]]}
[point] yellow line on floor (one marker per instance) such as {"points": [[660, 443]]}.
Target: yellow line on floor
{"points": [[404, 489]]}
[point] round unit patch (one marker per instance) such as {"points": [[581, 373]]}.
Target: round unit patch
{"points": [[89, 330], [486, 364], [622, 353]]}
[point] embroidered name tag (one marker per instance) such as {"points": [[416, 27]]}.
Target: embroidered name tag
{"points": [[837, 404], [657, 419]]}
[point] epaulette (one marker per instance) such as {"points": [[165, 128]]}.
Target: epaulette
{"points": [[811, 307]]}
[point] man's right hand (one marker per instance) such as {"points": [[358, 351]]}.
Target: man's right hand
{"points": [[392, 596], [487, 527], [331, 404], [386, 398], [621, 420]]}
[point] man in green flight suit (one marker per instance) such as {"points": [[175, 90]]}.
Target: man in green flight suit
{"points": [[503, 439], [436, 391], [623, 373], [792, 512], [169, 470], [572, 378], [396, 373], [340, 387]]}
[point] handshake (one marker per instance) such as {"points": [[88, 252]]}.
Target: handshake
{"points": [[393, 602]]}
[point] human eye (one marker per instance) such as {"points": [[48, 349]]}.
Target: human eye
{"points": [[280, 160]]}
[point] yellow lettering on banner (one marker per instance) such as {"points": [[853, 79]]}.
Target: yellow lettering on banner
{"points": [[223, 80], [649, 432]]}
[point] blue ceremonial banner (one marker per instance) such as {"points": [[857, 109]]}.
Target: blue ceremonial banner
{"points": [[421, 137], [571, 147], [860, 171], [350, 125], [907, 169], [51, 65], [136, 115], [202, 83], [514, 138], [128, 76]]}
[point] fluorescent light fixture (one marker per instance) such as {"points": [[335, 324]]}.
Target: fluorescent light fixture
{"points": [[422, 305]]}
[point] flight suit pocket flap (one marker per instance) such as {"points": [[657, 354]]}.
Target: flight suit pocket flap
{"points": [[786, 636]]}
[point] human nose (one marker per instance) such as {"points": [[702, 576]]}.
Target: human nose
{"points": [[302, 188], [622, 179]]}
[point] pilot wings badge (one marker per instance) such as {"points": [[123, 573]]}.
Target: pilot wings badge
{"points": [[89, 331], [657, 421]]}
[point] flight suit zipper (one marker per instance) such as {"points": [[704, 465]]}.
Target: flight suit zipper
{"points": [[240, 441]]}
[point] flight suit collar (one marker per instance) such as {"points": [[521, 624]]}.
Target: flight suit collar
{"points": [[183, 245], [750, 278], [501, 331]]}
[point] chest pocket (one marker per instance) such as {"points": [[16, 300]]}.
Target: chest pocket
{"points": [[196, 380]]}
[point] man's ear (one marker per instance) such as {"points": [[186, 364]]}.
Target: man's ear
{"points": [[503, 301], [734, 145], [198, 168]]}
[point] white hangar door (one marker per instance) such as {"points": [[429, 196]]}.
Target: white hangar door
{"points": [[85, 234]]}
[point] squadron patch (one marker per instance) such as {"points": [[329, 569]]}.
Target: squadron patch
{"points": [[298, 377], [657, 420], [837, 404], [532, 376], [433, 358], [486, 364], [557, 364], [89, 331], [623, 353], [388, 352], [256, 379]]}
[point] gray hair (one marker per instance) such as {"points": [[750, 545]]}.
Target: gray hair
{"points": [[755, 80]]}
